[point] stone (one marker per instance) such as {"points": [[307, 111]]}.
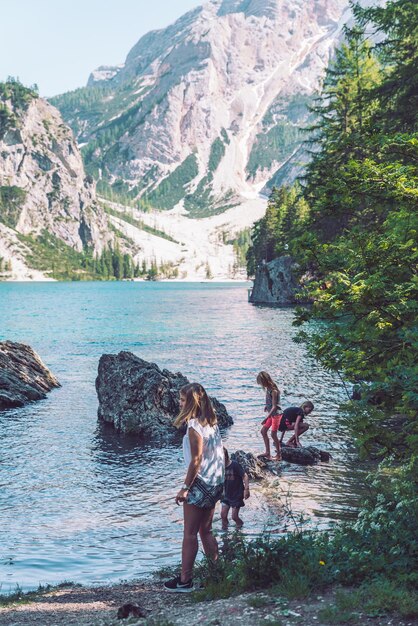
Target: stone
{"points": [[23, 376], [255, 467], [258, 467], [308, 455], [275, 283], [129, 610], [136, 396]]}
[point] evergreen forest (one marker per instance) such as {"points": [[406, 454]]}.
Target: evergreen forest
{"points": [[351, 226]]}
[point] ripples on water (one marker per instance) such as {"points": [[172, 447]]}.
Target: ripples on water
{"points": [[78, 502]]}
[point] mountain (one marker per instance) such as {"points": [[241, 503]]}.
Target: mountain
{"points": [[46, 199], [206, 113]]}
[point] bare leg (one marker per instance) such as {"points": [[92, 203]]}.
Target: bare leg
{"points": [[235, 516], [302, 429], [210, 545], [192, 520], [277, 445], [224, 515], [290, 442], [264, 433]]}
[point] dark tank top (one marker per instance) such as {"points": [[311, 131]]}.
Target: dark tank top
{"points": [[269, 400]]}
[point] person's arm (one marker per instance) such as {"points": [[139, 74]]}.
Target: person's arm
{"points": [[246, 482], [296, 435], [196, 448]]}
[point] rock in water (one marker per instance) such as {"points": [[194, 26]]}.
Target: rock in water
{"points": [[255, 467], [135, 396], [258, 467], [275, 283], [23, 376], [304, 456]]}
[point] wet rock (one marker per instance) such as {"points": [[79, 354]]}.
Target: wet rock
{"points": [[308, 455], [23, 376], [258, 467], [135, 396], [255, 467]]}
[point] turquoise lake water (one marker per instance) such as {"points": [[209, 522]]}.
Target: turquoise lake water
{"points": [[81, 503]]}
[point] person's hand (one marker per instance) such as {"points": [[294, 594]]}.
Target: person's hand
{"points": [[181, 496], [246, 493], [264, 421]]}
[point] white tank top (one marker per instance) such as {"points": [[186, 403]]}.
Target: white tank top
{"points": [[212, 468]]}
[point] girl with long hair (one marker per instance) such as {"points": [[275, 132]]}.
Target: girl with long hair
{"points": [[272, 418], [203, 485]]}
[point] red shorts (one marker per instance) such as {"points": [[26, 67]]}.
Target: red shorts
{"points": [[274, 422]]}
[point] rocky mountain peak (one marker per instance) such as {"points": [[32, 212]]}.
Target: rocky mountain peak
{"points": [[258, 8], [205, 115], [43, 185]]}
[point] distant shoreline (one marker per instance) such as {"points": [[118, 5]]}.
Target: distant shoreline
{"points": [[136, 280]]}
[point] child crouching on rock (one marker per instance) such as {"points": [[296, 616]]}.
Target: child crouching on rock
{"points": [[292, 419], [236, 490]]}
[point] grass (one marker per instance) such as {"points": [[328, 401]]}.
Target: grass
{"points": [[20, 597], [257, 602], [373, 599]]}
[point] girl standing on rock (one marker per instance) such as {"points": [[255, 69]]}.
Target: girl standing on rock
{"points": [[273, 417], [203, 485]]}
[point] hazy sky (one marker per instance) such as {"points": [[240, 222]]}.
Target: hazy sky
{"points": [[57, 43]]}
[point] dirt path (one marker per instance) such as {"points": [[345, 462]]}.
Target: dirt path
{"points": [[87, 606]]}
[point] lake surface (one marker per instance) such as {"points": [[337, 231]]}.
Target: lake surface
{"points": [[80, 503]]}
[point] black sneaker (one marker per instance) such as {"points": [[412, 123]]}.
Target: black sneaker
{"points": [[175, 585]]}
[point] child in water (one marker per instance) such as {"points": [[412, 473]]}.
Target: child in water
{"points": [[292, 419], [236, 490], [273, 414]]}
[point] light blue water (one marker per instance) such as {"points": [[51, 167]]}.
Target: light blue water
{"points": [[83, 504]]}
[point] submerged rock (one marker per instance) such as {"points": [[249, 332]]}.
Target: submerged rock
{"points": [[275, 283], [23, 376], [135, 396]]}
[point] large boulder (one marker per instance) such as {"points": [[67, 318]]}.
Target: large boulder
{"points": [[23, 376], [275, 283], [135, 396]]}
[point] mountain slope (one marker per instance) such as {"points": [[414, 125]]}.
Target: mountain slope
{"points": [[44, 191], [205, 112]]}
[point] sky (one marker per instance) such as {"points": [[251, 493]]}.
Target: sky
{"points": [[57, 43]]}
